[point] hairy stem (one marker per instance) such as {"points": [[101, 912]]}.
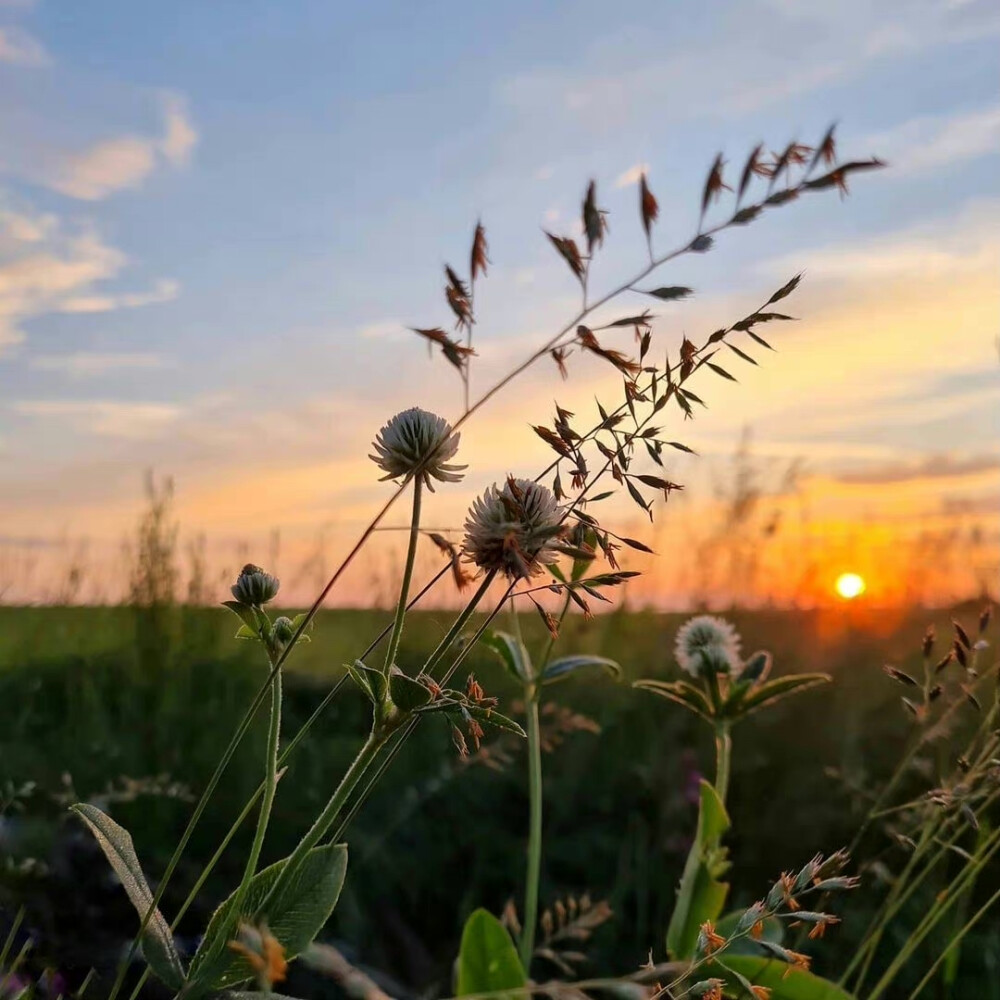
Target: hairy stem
{"points": [[324, 821], [723, 756], [404, 590], [534, 868]]}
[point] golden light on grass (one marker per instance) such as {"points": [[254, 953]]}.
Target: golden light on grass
{"points": [[850, 585]]}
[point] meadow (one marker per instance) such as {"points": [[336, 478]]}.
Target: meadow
{"points": [[131, 711], [535, 799]]}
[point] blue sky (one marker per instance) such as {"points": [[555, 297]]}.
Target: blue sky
{"points": [[217, 219]]}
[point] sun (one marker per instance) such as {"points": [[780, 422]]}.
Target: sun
{"points": [[850, 585]]}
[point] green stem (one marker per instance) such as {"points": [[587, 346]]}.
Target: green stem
{"points": [[956, 941], [441, 650], [404, 590], [723, 756], [534, 869], [942, 903], [324, 821], [267, 803]]}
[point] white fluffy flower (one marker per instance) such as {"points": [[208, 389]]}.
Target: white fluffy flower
{"points": [[514, 530], [417, 441], [708, 643]]}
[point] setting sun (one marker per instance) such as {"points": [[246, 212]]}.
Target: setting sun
{"points": [[850, 585]]}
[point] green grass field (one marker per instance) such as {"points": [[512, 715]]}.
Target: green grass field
{"points": [[96, 702]]}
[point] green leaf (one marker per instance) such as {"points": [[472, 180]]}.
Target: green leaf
{"points": [[784, 982], [305, 906], [491, 717], [246, 614], [561, 668], [512, 653], [488, 960], [361, 680], [681, 692], [781, 687], [701, 895], [407, 693], [245, 632], [158, 946]]}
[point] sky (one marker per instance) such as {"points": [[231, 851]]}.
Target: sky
{"points": [[217, 222]]}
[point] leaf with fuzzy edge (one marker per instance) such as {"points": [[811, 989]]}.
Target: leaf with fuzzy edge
{"points": [[158, 946], [512, 654], [561, 668], [701, 895], [487, 959], [784, 982], [303, 908], [491, 717], [680, 692], [781, 687]]}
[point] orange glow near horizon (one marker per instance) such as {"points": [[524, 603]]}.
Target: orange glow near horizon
{"points": [[850, 585]]}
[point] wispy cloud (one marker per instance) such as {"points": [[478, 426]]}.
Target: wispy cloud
{"points": [[110, 418], [85, 364], [164, 291], [18, 48], [47, 266], [124, 162], [631, 176], [934, 142], [941, 466]]}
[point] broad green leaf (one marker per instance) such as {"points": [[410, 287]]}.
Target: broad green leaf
{"points": [[246, 614], [785, 983], [781, 687], [488, 960], [245, 632], [158, 946], [681, 692], [305, 906], [701, 895], [512, 653], [561, 668], [407, 693]]}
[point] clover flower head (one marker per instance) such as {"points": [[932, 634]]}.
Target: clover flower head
{"points": [[708, 644], [514, 530], [254, 587], [416, 441]]}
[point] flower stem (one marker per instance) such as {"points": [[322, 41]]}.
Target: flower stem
{"points": [[534, 869], [404, 590], [723, 754], [324, 821]]}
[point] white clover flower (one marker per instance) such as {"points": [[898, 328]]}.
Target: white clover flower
{"points": [[514, 530], [708, 643], [417, 440]]}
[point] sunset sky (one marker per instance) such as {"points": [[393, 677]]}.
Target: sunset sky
{"points": [[217, 221]]}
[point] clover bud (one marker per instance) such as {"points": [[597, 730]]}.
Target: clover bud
{"points": [[254, 587]]}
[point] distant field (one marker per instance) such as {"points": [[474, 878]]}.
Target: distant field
{"points": [[90, 696]]}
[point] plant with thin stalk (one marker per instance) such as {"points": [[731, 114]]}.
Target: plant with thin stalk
{"points": [[534, 678], [933, 824], [397, 702], [724, 689]]}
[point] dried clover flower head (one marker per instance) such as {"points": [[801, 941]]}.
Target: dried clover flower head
{"points": [[708, 644], [514, 530], [254, 587], [416, 441]]}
